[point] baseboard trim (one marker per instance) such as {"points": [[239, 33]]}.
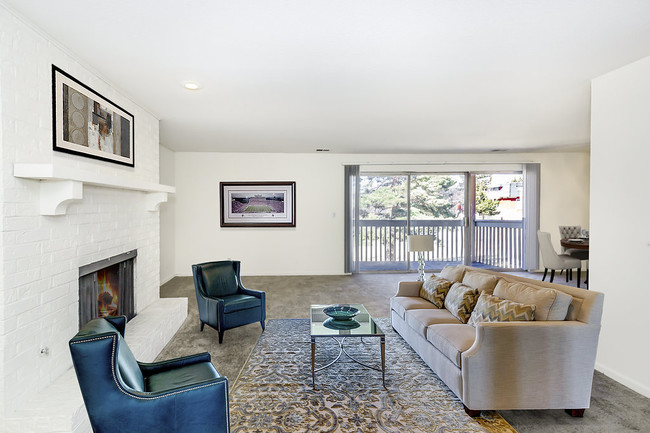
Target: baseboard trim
{"points": [[624, 380]]}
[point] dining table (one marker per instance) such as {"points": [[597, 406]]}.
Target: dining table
{"points": [[575, 243]]}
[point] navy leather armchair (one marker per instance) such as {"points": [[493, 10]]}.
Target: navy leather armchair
{"points": [[122, 395], [224, 303]]}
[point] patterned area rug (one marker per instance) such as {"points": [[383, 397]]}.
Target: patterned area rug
{"points": [[274, 393]]}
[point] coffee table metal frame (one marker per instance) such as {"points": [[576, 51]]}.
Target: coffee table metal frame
{"points": [[366, 328]]}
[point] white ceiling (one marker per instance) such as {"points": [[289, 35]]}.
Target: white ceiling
{"points": [[355, 76]]}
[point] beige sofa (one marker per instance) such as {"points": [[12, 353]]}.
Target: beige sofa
{"points": [[540, 364]]}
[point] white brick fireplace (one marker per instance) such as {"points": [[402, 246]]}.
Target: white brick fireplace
{"points": [[40, 254]]}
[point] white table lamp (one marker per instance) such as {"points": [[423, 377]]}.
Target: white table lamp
{"points": [[420, 243]]}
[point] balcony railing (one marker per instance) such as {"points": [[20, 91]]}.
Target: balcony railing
{"points": [[383, 243]]}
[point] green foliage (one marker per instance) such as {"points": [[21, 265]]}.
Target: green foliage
{"points": [[383, 197], [485, 206], [432, 197]]}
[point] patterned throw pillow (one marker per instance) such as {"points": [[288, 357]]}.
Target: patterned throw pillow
{"points": [[491, 308], [435, 290], [460, 301]]}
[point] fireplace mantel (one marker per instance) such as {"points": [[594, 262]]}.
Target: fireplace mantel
{"points": [[60, 186]]}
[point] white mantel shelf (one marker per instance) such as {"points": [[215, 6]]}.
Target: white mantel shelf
{"points": [[61, 186]]}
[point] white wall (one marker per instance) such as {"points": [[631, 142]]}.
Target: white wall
{"points": [[167, 217], [41, 254], [315, 245], [620, 233]]}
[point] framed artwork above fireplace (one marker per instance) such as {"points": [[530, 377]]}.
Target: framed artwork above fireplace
{"points": [[88, 124]]}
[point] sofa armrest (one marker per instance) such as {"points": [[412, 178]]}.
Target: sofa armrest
{"points": [[409, 288], [530, 365]]}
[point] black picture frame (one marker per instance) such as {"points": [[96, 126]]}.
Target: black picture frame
{"points": [[258, 204], [88, 124]]}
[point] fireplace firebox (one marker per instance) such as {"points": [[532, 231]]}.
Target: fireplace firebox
{"points": [[106, 288]]}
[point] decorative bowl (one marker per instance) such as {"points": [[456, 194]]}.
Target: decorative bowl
{"points": [[341, 324], [341, 312]]}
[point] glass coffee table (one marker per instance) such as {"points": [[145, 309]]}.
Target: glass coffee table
{"points": [[362, 325]]}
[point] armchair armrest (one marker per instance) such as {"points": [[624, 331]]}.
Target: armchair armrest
{"points": [[409, 288], [195, 408], [149, 368], [251, 292], [530, 365]]}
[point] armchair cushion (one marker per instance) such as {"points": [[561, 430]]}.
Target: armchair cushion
{"points": [[239, 302], [128, 367], [219, 279], [180, 377]]}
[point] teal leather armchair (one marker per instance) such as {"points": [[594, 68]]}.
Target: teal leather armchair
{"points": [[224, 303], [123, 395]]}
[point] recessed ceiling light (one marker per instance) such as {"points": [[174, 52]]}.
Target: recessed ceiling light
{"points": [[191, 85]]}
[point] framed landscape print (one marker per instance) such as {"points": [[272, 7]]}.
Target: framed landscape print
{"points": [[86, 123], [258, 204]]}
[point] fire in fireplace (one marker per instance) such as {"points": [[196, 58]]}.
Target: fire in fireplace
{"points": [[106, 288]]}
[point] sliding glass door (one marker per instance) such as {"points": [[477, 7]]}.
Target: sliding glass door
{"points": [[383, 222], [393, 206], [474, 218], [437, 208], [497, 238]]}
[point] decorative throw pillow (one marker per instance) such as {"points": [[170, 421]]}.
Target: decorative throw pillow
{"points": [[435, 290], [491, 308], [479, 280], [452, 273], [550, 304], [460, 301]]}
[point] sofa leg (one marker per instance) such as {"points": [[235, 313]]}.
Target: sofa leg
{"points": [[220, 337], [575, 412], [202, 325], [578, 280], [545, 272], [471, 412], [263, 325], [552, 275]]}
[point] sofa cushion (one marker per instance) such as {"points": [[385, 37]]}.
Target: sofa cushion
{"points": [[435, 290], [452, 273], [494, 309], [550, 304], [420, 320], [401, 304], [460, 301], [451, 340], [480, 281]]}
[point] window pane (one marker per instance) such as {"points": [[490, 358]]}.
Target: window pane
{"points": [[382, 223], [498, 196], [437, 209]]}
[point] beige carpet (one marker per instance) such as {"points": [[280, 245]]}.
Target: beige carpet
{"points": [[274, 390]]}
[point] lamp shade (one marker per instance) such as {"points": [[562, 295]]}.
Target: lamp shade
{"points": [[420, 242]]}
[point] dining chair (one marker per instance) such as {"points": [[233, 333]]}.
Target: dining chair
{"points": [[554, 261], [569, 232]]}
